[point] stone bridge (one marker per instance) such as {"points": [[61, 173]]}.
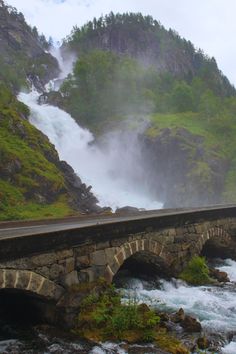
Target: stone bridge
{"points": [[46, 260]]}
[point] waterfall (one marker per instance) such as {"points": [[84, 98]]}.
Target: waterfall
{"points": [[111, 168]]}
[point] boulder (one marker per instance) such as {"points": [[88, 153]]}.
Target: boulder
{"points": [[190, 324], [127, 210], [179, 316], [203, 343], [222, 277]]}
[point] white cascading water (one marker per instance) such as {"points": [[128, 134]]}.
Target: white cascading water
{"points": [[214, 306], [112, 169]]}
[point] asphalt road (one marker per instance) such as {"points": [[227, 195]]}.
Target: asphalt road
{"points": [[20, 229]]}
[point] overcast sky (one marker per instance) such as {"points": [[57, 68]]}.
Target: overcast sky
{"points": [[209, 24]]}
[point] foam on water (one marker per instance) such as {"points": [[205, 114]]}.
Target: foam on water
{"points": [[215, 307], [229, 348], [112, 170], [108, 348], [230, 268]]}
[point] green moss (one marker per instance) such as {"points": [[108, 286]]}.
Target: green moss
{"points": [[196, 272], [169, 343]]}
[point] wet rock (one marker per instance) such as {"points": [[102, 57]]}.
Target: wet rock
{"points": [[222, 277], [179, 316], [190, 324], [127, 210], [81, 196], [164, 317], [203, 342]]}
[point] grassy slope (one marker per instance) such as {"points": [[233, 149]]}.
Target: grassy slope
{"points": [[25, 167]]}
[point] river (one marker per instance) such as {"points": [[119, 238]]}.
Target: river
{"points": [[214, 306]]}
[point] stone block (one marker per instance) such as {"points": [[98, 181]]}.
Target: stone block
{"points": [[172, 232], [98, 271], [23, 279], [44, 271], [64, 254], [55, 271], [110, 253], [82, 262], [118, 242], [114, 266], [84, 250], [70, 279], [44, 259], [199, 229], [86, 275], [70, 264], [120, 257], [1, 278], [98, 258], [108, 275], [10, 278], [51, 291], [35, 282], [102, 245]]}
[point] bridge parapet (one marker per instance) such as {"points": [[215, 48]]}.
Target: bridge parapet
{"points": [[171, 247], [57, 261]]}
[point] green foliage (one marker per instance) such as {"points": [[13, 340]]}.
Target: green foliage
{"points": [[103, 86], [104, 317], [143, 37], [182, 97], [196, 272]]}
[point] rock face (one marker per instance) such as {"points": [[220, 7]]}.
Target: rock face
{"points": [[179, 170], [22, 51], [81, 196]]}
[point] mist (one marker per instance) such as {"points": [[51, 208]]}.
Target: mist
{"points": [[112, 165]]}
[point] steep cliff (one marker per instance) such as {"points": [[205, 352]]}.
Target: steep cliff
{"points": [[181, 171], [22, 52]]}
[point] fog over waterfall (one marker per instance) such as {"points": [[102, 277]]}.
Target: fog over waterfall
{"points": [[112, 167]]}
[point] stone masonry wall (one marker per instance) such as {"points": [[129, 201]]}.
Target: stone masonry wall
{"points": [[88, 262]]}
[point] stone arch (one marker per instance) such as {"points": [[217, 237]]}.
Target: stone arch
{"points": [[30, 282], [129, 249], [217, 233]]}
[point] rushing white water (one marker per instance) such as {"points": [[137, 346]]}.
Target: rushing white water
{"points": [[112, 169], [230, 268], [214, 306]]}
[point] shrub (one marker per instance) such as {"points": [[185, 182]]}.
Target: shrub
{"points": [[104, 317], [196, 272]]}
